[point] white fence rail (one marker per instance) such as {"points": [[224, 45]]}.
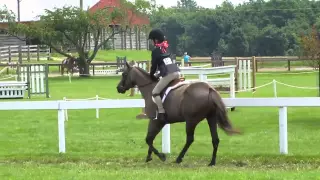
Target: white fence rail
{"points": [[26, 53], [61, 106]]}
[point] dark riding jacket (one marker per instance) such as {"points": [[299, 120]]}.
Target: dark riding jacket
{"points": [[162, 62]]}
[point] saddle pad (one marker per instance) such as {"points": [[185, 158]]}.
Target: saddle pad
{"points": [[172, 88]]}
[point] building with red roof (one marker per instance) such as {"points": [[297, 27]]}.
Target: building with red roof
{"points": [[134, 38], [135, 19]]}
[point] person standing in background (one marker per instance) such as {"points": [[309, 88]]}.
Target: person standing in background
{"points": [[186, 59]]}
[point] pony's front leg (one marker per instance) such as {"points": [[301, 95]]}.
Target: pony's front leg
{"points": [[153, 129]]}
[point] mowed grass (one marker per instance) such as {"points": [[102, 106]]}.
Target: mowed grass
{"points": [[113, 147]]}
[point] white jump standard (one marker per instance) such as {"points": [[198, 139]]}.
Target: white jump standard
{"points": [[36, 77], [30, 77]]}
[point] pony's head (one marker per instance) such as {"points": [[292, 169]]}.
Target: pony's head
{"points": [[126, 81], [132, 76]]}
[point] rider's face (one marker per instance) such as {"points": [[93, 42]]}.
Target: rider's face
{"points": [[153, 41]]}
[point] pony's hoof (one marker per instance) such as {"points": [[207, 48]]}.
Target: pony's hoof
{"points": [[212, 164], [148, 159], [162, 157], [178, 161]]}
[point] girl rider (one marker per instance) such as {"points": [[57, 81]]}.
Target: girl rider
{"points": [[169, 71]]}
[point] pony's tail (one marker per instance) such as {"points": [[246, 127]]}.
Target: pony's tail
{"points": [[220, 113]]}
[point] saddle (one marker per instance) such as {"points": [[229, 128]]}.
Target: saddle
{"points": [[171, 86]]}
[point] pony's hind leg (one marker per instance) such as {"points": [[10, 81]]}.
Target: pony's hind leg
{"points": [[153, 129], [149, 158], [215, 138], [190, 127]]}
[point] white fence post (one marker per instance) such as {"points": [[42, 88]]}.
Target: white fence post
{"points": [[245, 72], [65, 111], [166, 139], [249, 73], [232, 86], [61, 131], [275, 88], [97, 110], [283, 130], [69, 75], [240, 79]]}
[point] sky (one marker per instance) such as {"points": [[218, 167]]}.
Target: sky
{"points": [[29, 9]]}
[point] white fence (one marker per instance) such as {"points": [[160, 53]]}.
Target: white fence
{"points": [[27, 53], [12, 89], [61, 106], [204, 72], [244, 72]]}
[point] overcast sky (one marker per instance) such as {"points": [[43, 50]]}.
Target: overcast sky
{"points": [[32, 8]]}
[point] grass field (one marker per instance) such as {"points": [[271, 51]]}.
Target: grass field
{"points": [[113, 146]]}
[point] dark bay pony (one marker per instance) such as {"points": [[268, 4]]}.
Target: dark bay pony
{"points": [[190, 103], [70, 64]]}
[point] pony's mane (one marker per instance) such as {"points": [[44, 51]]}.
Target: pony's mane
{"points": [[142, 71]]}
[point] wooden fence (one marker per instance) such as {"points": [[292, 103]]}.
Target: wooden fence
{"points": [[262, 61], [56, 67], [24, 53], [258, 58], [7, 69]]}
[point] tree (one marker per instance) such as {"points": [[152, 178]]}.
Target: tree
{"points": [[310, 45], [238, 44], [222, 47], [263, 27], [187, 4], [271, 41], [71, 27], [5, 14], [153, 5]]}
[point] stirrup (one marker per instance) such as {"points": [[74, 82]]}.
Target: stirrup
{"points": [[156, 117]]}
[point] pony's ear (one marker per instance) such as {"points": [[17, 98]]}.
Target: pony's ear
{"points": [[128, 65]]}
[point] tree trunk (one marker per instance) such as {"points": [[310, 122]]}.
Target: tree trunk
{"points": [[84, 70], [319, 76]]}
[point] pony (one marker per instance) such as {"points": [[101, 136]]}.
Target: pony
{"points": [[186, 102], [70, 64]]}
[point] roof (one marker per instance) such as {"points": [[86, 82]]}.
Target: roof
{"points": [[136, 18]]}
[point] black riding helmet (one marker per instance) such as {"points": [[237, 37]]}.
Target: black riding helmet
{"points": [[156, 34]]}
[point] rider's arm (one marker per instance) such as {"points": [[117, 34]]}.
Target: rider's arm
{"points": [[154, 61]]}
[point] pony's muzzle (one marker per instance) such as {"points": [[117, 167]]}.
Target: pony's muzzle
{"points": [[121, 89]]}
